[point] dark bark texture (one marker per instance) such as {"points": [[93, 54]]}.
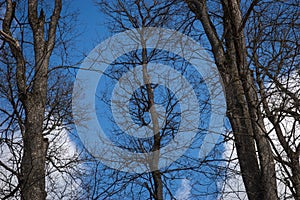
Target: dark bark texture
{"points": [[33, 95], [258, 171]]}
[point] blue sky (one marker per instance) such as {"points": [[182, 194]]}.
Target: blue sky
{"points": [[92, 27], [93, 31]]}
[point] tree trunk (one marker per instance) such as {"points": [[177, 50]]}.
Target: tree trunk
{"points": [[33, 95], [258, 172], [34, 155], [296, 175], [158, 185]]}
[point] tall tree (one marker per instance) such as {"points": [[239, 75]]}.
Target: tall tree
{"points": [[163, 120], [32, 89], [239, 58]]}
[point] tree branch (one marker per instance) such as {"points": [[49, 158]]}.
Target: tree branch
{"points": [[14, 46], [200, 10]]}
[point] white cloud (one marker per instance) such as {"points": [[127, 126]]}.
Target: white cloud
{"points": [[233, 187], [184, 192], [59, 183]]}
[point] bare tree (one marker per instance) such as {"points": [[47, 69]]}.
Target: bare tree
{"points": [[256, 49], [240, 36], [158, 183], [36, 114], [274, 51]]}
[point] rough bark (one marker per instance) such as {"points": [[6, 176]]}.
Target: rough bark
{"points": [[33, 95], [258, 172]]}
